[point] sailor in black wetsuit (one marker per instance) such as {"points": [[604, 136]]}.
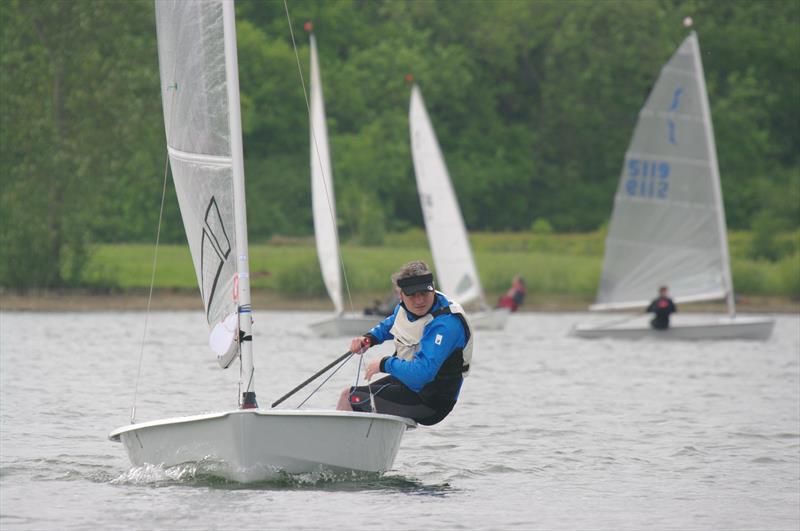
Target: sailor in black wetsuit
{"points": [[662, 307]]}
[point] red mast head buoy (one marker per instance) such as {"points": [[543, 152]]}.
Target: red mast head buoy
{"points": [[308, 26], [409, 78]]}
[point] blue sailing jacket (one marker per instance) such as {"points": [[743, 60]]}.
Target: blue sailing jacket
{"points": [[443, 336]]}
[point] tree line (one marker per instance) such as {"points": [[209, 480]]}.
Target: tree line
{"points": [[533, 101]]}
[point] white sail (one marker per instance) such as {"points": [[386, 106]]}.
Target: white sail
{"points": [[452, 256], [201, 115], [322, 198], [668, 224]]}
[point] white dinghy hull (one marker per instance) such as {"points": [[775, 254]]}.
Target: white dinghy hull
{"points": [[257, 445], [752, 328], [345, 325], [489, 320]]}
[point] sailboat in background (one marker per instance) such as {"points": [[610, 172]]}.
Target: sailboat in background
{"points": [[452, 256], [200, 91], [324, 209], [668, 224]]}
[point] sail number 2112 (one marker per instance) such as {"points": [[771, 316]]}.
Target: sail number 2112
{"points": [[647, 178]]}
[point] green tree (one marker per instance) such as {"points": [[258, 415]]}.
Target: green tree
{"points": [[77, 110], [533, 103]]}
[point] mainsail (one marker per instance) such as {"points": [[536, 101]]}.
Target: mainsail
{"points": [[200, 89], [322, 198], [455, 267], [668, 223]]}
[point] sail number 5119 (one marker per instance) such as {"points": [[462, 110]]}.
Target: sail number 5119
{"points": [[647, 178]]}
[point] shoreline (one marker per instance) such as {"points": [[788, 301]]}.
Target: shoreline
{"points": [[189, 300]]}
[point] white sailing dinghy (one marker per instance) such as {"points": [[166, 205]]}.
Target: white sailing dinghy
{"points": [[324, 209], [200, 89], [668, 224], [452, 256]]}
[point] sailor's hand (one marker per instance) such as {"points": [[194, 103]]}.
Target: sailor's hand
{"points": [[373, 368], [359, 345]]}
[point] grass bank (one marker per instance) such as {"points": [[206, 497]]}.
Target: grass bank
{"points": [[561, 271], [564, 268], [291, 267]]}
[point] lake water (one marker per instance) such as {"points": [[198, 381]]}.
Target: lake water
{"points": [[551, 432]]}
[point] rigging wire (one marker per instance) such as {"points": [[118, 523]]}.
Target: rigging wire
{"points": [[319, 159], [174, 89], [150, 294]]}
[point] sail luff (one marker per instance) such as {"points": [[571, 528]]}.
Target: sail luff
{"points": [[323, 201], [247, 383], [200, 97], [447, 234], [715, 177], [192, 67]]}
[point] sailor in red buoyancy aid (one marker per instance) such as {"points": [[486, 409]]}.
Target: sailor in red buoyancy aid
{"points": [[514, 296]]}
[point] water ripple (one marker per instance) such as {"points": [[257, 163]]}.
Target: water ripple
{"points": [[615, 435]]}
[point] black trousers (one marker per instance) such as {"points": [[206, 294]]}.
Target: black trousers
{"points": [[391, 396]]}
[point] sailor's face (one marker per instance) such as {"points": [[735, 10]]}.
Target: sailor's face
{"points": [[419, 303]]}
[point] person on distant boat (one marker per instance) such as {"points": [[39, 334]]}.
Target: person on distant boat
{"points": [[433, 349], [385, 308], [662, 307], [514, 296]]}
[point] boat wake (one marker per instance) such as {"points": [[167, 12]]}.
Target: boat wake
{"points": [[209, 474], [159, 475]]}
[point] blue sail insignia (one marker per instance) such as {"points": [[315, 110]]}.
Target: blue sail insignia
{"points": [[676, 101]]}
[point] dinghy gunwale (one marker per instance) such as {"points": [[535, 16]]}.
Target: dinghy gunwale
{"points": [[115, 435]]}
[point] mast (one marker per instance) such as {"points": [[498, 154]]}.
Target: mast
{"points": [[715, 178], [247, 378]]}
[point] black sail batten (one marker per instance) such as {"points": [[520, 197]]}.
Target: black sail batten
{"points": [[213, 241]]}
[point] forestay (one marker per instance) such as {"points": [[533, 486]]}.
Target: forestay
{"points": [[455, 267], [203, 156], [668, 223]]}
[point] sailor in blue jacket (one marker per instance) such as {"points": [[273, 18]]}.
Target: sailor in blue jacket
{"points": [[433, 349]]}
